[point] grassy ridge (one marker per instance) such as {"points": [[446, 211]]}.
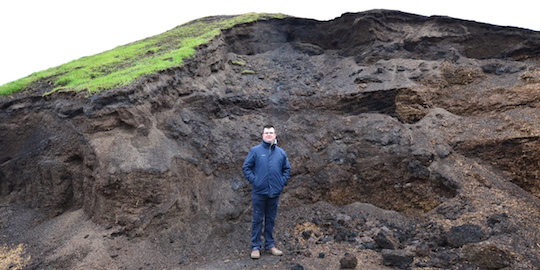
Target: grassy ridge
{"points": [[124, 64]]}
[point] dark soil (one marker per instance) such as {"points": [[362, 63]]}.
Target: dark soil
{"points": [[413, 141]]}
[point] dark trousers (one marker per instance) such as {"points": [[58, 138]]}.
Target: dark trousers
{"points": [[264, 210]]}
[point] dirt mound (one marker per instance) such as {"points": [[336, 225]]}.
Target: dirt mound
{"points": [[412, 141]]}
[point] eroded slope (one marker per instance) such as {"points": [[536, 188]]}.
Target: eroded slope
{"points": [[403, 132]]}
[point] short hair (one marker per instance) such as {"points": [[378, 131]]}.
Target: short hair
{"points": [[268, 127]]}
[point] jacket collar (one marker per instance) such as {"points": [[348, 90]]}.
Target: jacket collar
{"points": [[266, 144]]}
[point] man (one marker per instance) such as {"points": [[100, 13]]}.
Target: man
{"points": [[268, 170]]}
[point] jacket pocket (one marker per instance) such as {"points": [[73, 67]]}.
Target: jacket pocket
{"points": [[259, 184]]}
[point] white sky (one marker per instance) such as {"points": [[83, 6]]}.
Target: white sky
{"points": [[39, 34]]}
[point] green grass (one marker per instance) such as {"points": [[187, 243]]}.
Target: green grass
{"points": [[125, 64]]}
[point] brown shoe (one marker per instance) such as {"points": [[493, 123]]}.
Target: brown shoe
{"points": [[255, 254], [276, 252]]}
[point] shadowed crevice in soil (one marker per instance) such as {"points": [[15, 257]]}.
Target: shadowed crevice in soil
{"points": [[517, 158]]}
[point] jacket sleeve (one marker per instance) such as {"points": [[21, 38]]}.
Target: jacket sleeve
{"points": [[248, 166], [286, 170]]}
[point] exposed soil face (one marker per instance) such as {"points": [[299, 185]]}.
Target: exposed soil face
{"points": [[413, 141]]}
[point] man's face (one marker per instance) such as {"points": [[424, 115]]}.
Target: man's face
{"points": [[269, 134]]}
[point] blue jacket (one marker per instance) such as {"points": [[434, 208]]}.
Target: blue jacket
{"points": [[267, 168]]}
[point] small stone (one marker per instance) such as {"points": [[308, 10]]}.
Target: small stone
{"points": [[348, 261], [343, 217], [386, 239], [399, 258], [422, 250]]}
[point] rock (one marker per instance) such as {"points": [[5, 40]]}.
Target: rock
{"points": [[309, 49], [442, 151], [498, 68], [464, 234], [306, 234], [422, 250], [348, 261], [446, 258], [487, 255], [453, 210], [342, 218], [500, 223], [367, 242], [397, 257], [296, 266], [386, 240], [325, 239]]}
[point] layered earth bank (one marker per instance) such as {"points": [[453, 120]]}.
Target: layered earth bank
{"points": [[413, 141]]}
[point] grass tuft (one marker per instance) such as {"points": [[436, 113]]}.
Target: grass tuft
{"points": [[125, 64]]}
